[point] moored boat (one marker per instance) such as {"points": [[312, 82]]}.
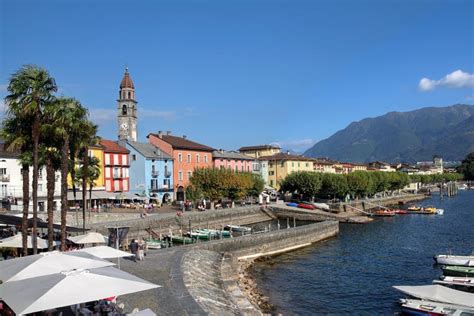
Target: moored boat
{"points": [[292, 204], [458, 271], [236, 228], [383, 213], [182, 240], [401, 212], [414, 209], [458, 282], [467, 261], [306, 206], [439, 211], [421, 307], [430, 209]]}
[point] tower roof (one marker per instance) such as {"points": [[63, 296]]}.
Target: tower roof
{"points": [[126, 81]]}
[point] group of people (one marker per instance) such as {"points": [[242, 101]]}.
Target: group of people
{"points": [[138, 249]]}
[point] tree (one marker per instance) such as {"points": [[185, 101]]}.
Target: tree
{"points": [[302, 182], [333, 185], [209, 182], [359, 183], [16, 132], [257, 186], [467, 167], [30, 89], [93, 174]]}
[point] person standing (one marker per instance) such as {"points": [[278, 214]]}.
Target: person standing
{"points": [[134, 249], [141, 250]]}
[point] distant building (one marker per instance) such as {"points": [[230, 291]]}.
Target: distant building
{"points": [[281, 165], [127, 109], [232, 160], [151, 171], [187, 156], [380, 166], [260, 166], [431, 167], [116, 165]]}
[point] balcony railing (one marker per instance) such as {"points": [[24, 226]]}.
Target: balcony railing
{"points": [[117, 176], [154, 174], [161, 187], [167, 174], [5, 178]]}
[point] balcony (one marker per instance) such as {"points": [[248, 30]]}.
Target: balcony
{"points": [[159, 188], [117, 176], [167, 174], [5, 178], [154, 174]]}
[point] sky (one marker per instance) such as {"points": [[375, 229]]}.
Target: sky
{"points": [[238, 73]]}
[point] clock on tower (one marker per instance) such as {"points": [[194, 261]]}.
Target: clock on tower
{"points": [[127, 109]]}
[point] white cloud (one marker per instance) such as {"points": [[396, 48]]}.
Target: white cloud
{"points": [[456, 79], [297, 145]]}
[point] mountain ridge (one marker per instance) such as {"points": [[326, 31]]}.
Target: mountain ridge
{"points": [[403, 136]]}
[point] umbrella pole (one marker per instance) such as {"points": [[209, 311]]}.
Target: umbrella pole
{"points": [[117, 246]]}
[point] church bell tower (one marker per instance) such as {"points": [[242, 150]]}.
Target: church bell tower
{"points": [[127, 109]]}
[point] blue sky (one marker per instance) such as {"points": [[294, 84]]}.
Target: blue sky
{"points": [[235, 73]]}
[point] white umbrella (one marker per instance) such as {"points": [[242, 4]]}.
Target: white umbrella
{"points": [[144, 312], [16, 242], [69, 288], [89, 238], [105, 252], [47, 263]]}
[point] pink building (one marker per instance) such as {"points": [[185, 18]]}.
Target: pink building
{"points": [[232, 160]]}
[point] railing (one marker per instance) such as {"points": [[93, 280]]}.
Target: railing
{"points": [[154, 174], [117, 176], [162, 187], [167, 174]]}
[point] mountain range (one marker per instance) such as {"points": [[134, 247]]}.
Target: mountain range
{"points": [[403, 136]]}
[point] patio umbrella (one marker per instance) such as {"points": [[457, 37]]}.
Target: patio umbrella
{"points": [[47, 263], [69, 288], [144, 312], [106, 252], [89, 238], [16, 242]]}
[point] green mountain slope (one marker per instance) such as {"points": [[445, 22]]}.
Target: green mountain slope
{"points": [[403, 136]]}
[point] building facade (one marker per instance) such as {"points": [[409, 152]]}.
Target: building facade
{"points": [[232, 160], [150, 171], [187, 156], [116, 165], [127, 109], [281, 165]]}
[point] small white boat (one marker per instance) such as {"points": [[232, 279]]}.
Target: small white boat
{"points": [[439, 293], [422, 307], [322, 206], [466, 261], [439, 211], [456, 281]]}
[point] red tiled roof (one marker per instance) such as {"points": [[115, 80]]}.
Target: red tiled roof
{"points": [[127, 81], [183, 143], [113, 147]]}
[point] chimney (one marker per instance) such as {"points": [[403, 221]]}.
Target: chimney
{"points": [[221, 151], [160, 134], [184, 136], [168, 132]]}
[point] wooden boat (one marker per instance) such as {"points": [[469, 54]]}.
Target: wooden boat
{"points": [[421, 307], [383, 213], [466, 261], [182, 240], [414, 209], [236, 228], [458, 271], [306, 206]]}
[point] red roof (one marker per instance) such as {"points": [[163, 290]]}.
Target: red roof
{"points": [[183, 143], [113, 147], [127, 81]]}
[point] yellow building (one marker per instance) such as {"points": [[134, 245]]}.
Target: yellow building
{"points": [[281, 165], [260, 150], [96, 151]]}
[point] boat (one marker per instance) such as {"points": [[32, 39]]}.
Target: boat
{"points": [[292, 204], [439, 211], [414, 209], [236, 228], [306, 206], [421, 307], [182, 240], [458, 271], [456, 281], [153, 243], [322, 206], [199, 235], [383, 213], [438, 293], [400, 212], [450, 260], [429, 209]]}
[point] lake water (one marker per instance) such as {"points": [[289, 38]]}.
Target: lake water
{"points": [[354, 272]]}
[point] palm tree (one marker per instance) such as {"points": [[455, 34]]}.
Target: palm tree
{"points": [[31, 88], [93, 174], [69, 116], [16, 133]]}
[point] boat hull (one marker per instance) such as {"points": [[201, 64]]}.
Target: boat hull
{"points": [[458, 271], [466, 261]]}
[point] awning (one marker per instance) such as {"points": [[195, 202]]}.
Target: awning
{"points": [[16, 220], [439, 293], [96, 195]]}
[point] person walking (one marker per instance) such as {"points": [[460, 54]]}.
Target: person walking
{"points": [[134, 249], [141, 250]]}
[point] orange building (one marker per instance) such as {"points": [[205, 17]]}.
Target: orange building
{"points": [[187, 156]]}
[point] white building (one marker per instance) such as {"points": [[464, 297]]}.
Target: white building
{"points": [[11, 183]]}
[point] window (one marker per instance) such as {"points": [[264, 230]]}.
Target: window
{"points": [[116, 172], [180, 157], [129, 95], [134, 157], [242, 168], [292, 164], [3, 171], [189, 174], [40, 174], [40, 187], [248, 169], [180, 175], [236, 168], [298, 164], [154, 184], [307, 164], [282, 164], [271, 173], [4, 190], [271, 183], [205, 158], [166, 171], [197, 158], [188, 158], [124, 109], [166, 183]]}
